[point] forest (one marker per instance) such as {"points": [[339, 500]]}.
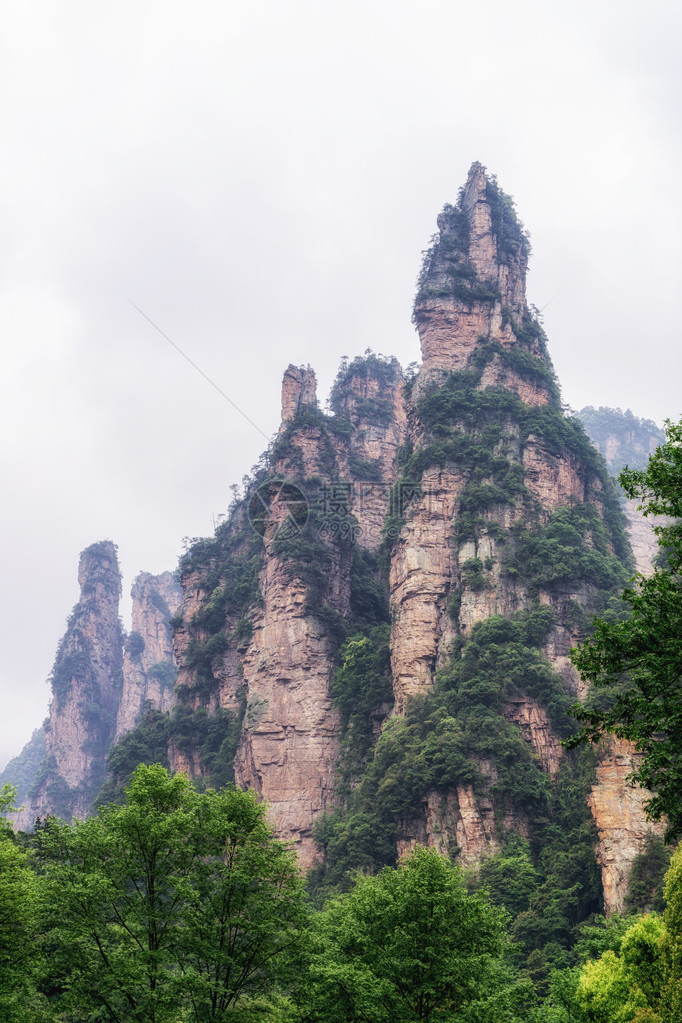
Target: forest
{"points": [[181, 906]]}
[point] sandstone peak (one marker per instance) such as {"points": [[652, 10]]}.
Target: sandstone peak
{"points": [[472, 285], [299, 387], [98, 571]]}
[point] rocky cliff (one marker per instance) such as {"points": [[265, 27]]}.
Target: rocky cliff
{"points": [[149, 670], [86, 685], [269, 601], [102, 681], [460, 525]]}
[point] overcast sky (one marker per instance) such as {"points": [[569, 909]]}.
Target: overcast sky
{"points": [[260, 179]]}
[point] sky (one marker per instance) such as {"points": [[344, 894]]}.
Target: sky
{"points": [[259, 179]]}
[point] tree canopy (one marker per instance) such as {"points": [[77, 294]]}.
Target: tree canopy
{"points": [[635, 664], [408, 944], [176, 899]]}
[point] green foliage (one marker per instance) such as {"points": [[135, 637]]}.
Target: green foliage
{"points": [[326, 430], [385, 370], [446, 269], [361, 684], [510, 877], [455, 410], [175, 905], [59, 793], [146, 743], [157, 600], [365, 469], [72, 663], [307, 557], [572, 548], [19, 950], [164, 672], [410, 944], [373, 411], [313, 553], [230, 560], [208, 740], [671, 998], [472, 570], [600, 935], [211, 739], [638, 661], [482, 433], [549, 883], [569, 890], [227, 568], [368, 591], [625, 985], [464, 284], [199, 657], [645, 884], [135, 645]]}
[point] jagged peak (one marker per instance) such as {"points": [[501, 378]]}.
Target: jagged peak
{"points": [[98, 567], [472, 283], [299, 387]]}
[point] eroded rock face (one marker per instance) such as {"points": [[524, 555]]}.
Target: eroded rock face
{"points": [[372, 401], [422, 569], [642, 536], [149, 664], [289, 743], [536, 728], [86, 683], [460, 822], [618, 810]]}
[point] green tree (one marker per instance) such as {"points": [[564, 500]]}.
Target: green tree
{"points": [[246, 909], [409, 944], [671, 1007], [635, 665], [19, 949], [624, 986], [176, 902]]}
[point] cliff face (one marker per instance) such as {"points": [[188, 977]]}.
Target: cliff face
{"points": [[86, 685], [325, 493], [148, 663], [618, 810]]}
